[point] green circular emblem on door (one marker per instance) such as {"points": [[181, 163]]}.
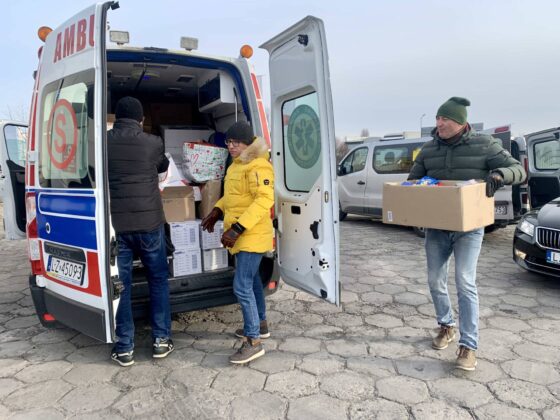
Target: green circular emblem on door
{"points": [[304, 136]]}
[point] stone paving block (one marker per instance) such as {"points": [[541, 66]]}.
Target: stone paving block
{"points": [[106, 414], [275, 361], [261, 405], [22, 322], [9, 367], [300, 345], [423, 368], [9, 385], [90, 398], [323, 332], [44, 371], [555, 390], [509, 324], [485, 372], [41, 353], [50, 336], [384, 321], [239, 380], [402, 390], [317, 407], [91, 373], [439, 410], [376, 298], [461, 392], [310, 320], [360, 308], [35, 396], [141, 374], [552, 414], [543, 337], [409, 298], [292, 384], [390, 289], [530, 371], [408, 334], [537, 352], [321, 363], [399, 309], [552, 325], [374, 366], [346, 348], [193, 377], [146, 402], [14, 349], [378, 409], [205, 327], [496, 410], [41, 414], [344, 320], [391, 349], [523, 394], [347, 385], [10, 297]]}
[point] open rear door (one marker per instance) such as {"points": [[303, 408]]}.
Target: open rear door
{"points": [[543, 152], [13, 147], [304, 159], [69, 176]]}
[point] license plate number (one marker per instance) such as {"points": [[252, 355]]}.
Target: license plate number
{"points": [[553, 257], [500, 210], [66, 270]]}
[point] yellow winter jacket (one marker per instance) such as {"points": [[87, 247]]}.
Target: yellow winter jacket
{"points": [[248, 198]]}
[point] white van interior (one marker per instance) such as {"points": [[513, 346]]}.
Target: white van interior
{"points": [[198, 98]]}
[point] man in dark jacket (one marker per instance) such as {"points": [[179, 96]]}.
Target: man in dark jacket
{"points": [[135, 159], [458, 153]]}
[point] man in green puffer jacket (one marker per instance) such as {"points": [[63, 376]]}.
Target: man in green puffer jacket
{"points": [[458, 153]]}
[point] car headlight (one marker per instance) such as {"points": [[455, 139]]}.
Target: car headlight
{"points": [[527, 228]]}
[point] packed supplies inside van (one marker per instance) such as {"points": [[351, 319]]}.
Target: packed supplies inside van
{"points": [[189, 99]]}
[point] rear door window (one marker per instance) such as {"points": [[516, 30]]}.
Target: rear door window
{"points": [[395, 159], [547, 155]]}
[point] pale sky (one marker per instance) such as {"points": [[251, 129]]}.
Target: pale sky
{"points": [[390, 61]]}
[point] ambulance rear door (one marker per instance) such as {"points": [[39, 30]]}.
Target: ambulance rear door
{"points": [[69, 179], [304, 160]]}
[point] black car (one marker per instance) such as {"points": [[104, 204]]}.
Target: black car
{"points": [[536, 243]]}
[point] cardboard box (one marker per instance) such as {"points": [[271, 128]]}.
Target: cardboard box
{"points": [[453, 206], [185, 262], [214, 259], [178, 203], [185, 235], [212, 240], [210, 194]]}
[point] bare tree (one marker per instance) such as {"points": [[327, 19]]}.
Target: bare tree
{"points": [[364, 132]]}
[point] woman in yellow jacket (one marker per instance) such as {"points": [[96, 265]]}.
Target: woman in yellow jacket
{"points": [[248, 233]]}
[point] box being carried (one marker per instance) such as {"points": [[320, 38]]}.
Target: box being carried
{"points": [[214, 259], [214, 239], [185, 235], [185, 262], [453, 205], [178, 203], [203, 162]]}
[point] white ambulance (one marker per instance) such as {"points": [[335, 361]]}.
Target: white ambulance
{"points": [[74, 278]]}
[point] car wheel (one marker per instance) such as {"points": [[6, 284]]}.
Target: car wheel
{"points": [[341, 214], [420, 231]]}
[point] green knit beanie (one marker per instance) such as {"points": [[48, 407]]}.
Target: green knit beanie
{"points": [[455, 109]]}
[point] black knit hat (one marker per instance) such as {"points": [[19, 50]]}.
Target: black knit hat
{"points": [[455, 109], [240, 131], [129, 107]]}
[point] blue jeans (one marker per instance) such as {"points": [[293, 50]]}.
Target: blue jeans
{"points": [[150, 247], [247, 286], [466, 247]]}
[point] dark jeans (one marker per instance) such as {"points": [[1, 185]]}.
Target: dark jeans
{"points": [[247, 286], [150, 247]]}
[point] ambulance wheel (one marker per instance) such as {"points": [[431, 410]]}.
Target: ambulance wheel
{"points": [[420, 231], [341, 214]]}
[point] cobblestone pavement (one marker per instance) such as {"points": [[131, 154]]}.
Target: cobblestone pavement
{"points": [[369, 359]]}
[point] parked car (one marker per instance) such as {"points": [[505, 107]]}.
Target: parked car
{"points": [[536, 242]]}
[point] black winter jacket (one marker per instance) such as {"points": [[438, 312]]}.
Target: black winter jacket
{"points": [[135, 159]]}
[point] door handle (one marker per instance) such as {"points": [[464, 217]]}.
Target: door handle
{"points": [[361, 183]]}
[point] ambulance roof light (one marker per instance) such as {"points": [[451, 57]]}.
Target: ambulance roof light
{"points": [[43, 32], [246, 51], [119, 37], [188, 43]]}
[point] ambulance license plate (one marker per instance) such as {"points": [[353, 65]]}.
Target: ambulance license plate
{"points": [[500, 210], [65, 270], [553, 257]]}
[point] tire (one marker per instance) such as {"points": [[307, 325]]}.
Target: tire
{"points": [[421, 232], [341, 214]]}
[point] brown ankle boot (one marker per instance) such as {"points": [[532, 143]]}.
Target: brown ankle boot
{"points": [[264, 331], [251, 349]]}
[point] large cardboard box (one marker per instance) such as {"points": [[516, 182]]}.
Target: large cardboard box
{"points": [[185, 235], [214, 259], [212, 240], [178, 203], [185, 262], [454, 205]]}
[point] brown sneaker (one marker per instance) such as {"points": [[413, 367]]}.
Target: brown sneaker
{"points": [[445, 336], [251, 349], [466, 359], [264, 331]]}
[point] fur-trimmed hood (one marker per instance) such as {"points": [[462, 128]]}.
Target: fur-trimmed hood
{"points": [[259, 148]]}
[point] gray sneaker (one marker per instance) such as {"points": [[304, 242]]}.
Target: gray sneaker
{"points": [[445, 336], [251, 349], [264, 333]]}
